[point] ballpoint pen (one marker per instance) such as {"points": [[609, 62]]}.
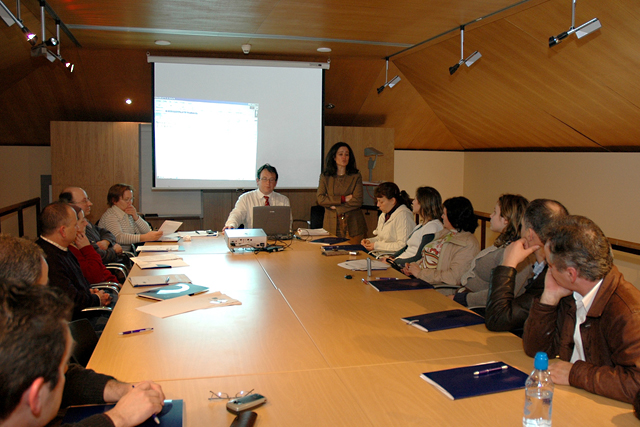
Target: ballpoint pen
{"points": [[491, 370], [135, 331]]}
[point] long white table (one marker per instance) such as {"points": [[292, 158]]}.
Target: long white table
{"points": [[325, 350]]}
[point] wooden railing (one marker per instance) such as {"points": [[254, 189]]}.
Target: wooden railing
{"points": [[616, 244], [19, 207]]}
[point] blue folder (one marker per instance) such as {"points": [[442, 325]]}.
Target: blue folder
{"points": [[170, 416], [448, 319]]}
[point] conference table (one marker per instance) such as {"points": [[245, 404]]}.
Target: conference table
{"points": [[325, 350]]}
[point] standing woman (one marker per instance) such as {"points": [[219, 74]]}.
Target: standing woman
{"points": [[428, 206], [396, 221], [340, 193]]}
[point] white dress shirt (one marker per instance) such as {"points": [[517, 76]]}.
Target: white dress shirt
{"points": [[583, 304], [242, 213]]}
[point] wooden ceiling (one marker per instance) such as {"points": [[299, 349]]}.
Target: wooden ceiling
{"points": [[581, 94]]}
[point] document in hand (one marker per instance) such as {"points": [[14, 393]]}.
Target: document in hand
{"points": [[398, 285], [441, 320], [172, 414], [476, 380]]}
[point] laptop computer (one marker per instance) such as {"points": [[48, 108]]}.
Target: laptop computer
{"points": [[274, 220]]}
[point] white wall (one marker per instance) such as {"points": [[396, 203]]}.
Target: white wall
{"points": [[20, 181], [442, 170]]}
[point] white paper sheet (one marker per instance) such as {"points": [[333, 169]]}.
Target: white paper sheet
{"points": [[186, 304]]}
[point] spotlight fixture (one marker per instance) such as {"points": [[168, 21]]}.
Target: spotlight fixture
{"points": [[7, 16], [391, 83], [581, 31], [51, 42], [468, 60]]}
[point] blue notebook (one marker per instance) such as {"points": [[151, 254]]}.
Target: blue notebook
{"points": [[474, 380], [170, 416], [440, 320], [398, 285], [329, 240]]}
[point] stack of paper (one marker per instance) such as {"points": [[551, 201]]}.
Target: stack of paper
{"points": [[361, 265], [312, 232], [159, 248], [188, 303], [140, 281], [159, 261]]}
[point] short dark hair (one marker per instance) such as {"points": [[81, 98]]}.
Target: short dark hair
{"points": [[578, 242], [460, 214], [33, 339], [391, 191], [53, 216], [330, 166], [512, 208], [116, 191], [66, 197], [430, 203], [541, 214], [20, 259], [267, 167]]}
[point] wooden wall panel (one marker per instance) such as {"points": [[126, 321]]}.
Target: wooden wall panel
{"points": [[94, 156]]}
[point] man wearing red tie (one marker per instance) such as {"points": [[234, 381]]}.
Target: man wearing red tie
{"points": [[242, 213]]}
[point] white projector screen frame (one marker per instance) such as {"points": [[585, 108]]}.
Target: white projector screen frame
{"points": [[285, 97]]}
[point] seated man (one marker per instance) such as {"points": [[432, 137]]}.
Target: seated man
{"points": [[507, 307], [588, 315], [35, 345], [22, 260], [242, 213], [59, 227], [102, 240]]}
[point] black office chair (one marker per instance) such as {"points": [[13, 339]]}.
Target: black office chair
{"points": [[86, 340]]}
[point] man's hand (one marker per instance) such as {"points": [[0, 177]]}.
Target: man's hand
{"points": [[131, 210], [151, 236], [143, 401], [81, 240], [103, 244], [560, 372], [105, 298], [516, 252], [367, 244], [117, 248], [553, 292], [114, 390]]}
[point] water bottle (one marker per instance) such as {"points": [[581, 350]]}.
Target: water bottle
{"points": [[538, 394]]}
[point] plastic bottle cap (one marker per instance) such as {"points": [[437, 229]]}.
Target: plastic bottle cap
{"points": [[541, 361]]}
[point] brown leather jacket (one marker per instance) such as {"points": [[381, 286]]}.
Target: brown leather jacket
{"points": [[610, 336], [505, 312]]}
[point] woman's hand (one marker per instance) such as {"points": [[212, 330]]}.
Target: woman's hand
{"points": [[367, 244], [411, 269], [151, 236], [81, 240], [347, 198], [131, 210]]}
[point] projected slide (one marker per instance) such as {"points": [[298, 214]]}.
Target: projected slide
{"points": [[208, 132], [216, 121]]}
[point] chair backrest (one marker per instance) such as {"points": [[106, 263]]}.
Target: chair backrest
{"points": [[317, 217], [86, 340]]}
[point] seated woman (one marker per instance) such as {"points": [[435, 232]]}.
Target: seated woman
{"points": [[449, 254], [90, 261], [123, 221], [506, 219], [395, 223], [340, 193], [428, 206]]}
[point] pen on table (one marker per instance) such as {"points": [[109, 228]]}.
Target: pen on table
{"points": [[135, 331], [366, 281], [197, 232], [167, 281], [491, 370], [155, 416]]}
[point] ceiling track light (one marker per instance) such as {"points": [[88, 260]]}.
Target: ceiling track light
{"points": [[469, 60], [8, 16], [581, 31], [388, 83]]}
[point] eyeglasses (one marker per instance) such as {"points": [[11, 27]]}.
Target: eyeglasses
{"points": [[271, 180], [218, 395], [128, 200]]}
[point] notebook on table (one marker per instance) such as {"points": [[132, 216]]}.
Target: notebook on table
{"points": [[173, 291], [274, 220], [440, 320]]}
